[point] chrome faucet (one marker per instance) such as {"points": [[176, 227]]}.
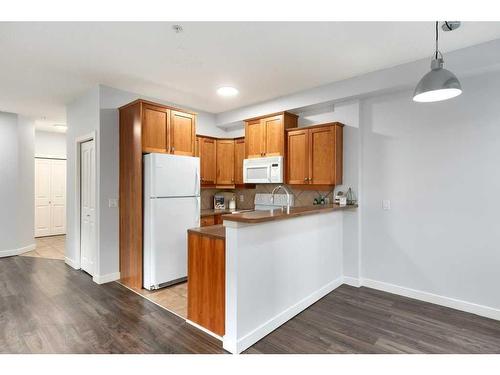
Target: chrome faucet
{"points": [[283, 187]]}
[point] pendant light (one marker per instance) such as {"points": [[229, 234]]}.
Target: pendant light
{"points": [[439, 84]]}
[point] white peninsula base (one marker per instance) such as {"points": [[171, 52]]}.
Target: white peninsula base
{"points": [[276, 269]]}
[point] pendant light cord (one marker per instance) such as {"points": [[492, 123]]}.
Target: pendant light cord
{"points": [[437, 39]]}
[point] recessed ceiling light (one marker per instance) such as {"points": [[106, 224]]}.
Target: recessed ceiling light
{"points": [[227, 91]]}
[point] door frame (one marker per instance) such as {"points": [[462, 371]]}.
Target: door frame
{"points": [[92, 136]]}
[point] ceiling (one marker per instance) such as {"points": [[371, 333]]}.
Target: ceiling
{"points": [[46, 65]]}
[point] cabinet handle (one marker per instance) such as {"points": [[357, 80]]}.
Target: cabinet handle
{"points": [[173, 148], [306, 179]]}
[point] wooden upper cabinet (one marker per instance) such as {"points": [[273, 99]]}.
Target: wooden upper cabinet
{"points": [[298, 157], [207, 152], [254, 139], [239, 156], [182, 133], [266, 136], [315, 155], [274, 139], [225, 162], [155, 123]]}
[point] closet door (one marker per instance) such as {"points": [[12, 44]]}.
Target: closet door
{"points": [[43, 218], [50, 197], [58, 197]]}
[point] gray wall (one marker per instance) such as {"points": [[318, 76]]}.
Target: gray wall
{"points": [[438, 163], [16, 183], [50, 144]]}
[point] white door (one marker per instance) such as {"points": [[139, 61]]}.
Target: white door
{"points": [[87, 206], [50, 197]]}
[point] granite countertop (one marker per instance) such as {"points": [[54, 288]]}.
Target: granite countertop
{"points": [[214, 231], [254, 217]]}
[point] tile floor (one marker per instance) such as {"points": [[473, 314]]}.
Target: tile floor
{"points": [[48, 247], [172, 298]]}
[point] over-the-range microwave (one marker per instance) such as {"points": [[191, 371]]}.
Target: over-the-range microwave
{"points": [[263, 170]]}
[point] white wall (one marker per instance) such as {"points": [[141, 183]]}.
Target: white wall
{"points": [[16, 184], [50, 144], [438, 163]]}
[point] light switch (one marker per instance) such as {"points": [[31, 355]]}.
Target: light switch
{"points": [[242, 198], [113, 202], [386, 204]]}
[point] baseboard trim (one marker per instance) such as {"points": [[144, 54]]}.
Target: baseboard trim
{"points": [[19, 251], [273, 323], [72, 263], [473, 308], [352, 281], [103, 279], [201, 328]]}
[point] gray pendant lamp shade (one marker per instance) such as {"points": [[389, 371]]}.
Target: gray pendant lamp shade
{"points": [[439, 84]]}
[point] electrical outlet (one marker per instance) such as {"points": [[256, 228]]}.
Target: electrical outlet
{"points": [[242, 198], [386, 204], [112, 202]]}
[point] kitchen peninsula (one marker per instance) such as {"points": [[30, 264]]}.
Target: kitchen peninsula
{"points": [[276, 264]]}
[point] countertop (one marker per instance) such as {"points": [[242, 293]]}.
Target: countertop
{"points": [[254, 217], [212, 211], [214, 231]]}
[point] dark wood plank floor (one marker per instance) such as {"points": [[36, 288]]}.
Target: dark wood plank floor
{"points": [[47, 307]]}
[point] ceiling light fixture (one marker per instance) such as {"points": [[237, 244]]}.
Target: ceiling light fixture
{"points": [[227, 91], [439, 84]]}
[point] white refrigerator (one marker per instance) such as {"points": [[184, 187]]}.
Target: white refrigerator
{"points": [[171, 207]]}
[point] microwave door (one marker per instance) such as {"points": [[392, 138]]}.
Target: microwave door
{"points": [[258, 174]]}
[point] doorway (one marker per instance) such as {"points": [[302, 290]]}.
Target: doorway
{"points": [[87, 206]]}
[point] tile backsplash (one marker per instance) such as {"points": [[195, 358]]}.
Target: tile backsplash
{"points": [[302, 197]]}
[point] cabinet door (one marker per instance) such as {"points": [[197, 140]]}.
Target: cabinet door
{"points": [[208, 160], [239, 156], [182, 133], [322, 155], [225, 162], [154, 129], [274, 144], [254, 139], [298, 157]]}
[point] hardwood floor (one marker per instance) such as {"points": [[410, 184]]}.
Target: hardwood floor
{"points": [[47, 307]]}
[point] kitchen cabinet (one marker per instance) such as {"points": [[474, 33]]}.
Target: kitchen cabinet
{"points": [[167, 130], [207, 278], [265, 136], [182, 133], [315, 155], [155, 124], [207, 149], [225, 162], [239, 156], [206, 221]]}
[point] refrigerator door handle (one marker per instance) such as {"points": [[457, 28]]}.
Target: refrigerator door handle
{"points": [[197, 182]]}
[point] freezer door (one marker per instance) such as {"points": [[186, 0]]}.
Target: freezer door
{"points": [[171, 175], [165, 242]]}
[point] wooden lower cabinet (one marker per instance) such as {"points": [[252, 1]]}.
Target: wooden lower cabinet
{"points": [[206, 221], [206, 285]]}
